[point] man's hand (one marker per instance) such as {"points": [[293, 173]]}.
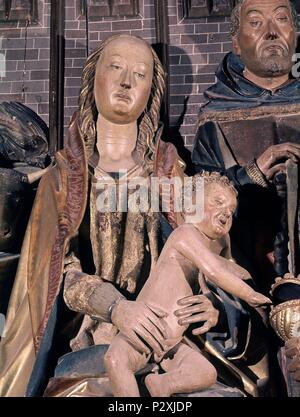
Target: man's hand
{"points": [[197, 308], [141, 323], [273, 159], [292, 350]]}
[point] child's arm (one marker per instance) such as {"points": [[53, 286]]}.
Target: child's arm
{"points": [[226, 247], [220, 271]]}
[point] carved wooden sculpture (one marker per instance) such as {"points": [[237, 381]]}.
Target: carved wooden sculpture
{"points": [[191, 250], [23, 158]]}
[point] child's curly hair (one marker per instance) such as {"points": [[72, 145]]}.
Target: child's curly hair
{"points": [[214, 177]]}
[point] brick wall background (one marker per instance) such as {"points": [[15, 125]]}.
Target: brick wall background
{"points": [[196, 48], [99, 30], [27, 82]]}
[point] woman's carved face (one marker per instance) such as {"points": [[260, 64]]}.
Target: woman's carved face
{"points": [[123, 80]]}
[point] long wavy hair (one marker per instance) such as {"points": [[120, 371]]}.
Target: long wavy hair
{"points": [[147, 122]]}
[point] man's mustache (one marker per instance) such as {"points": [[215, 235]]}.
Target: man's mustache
{"points": [[274, 43]]}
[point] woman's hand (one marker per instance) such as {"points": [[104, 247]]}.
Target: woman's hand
{"points": [[197, 308], [142, 324], [292, 350]]}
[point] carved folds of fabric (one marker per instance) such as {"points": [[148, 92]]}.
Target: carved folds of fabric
{"points": [[68, 218], [168, 164], [120, 239]]}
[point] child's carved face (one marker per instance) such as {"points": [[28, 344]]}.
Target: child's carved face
{"points": [[219, 206]]}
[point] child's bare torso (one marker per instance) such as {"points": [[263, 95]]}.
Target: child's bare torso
{"points": [[174, 277]]}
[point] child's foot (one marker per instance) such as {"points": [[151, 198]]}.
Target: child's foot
{"points": [[155, 386]]}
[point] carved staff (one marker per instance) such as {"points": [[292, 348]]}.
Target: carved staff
{"points": [[285, 315], [281, 251], [292, 203]]}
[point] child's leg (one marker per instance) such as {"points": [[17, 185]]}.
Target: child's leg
{"points": [[121, 361], [188, 371]]}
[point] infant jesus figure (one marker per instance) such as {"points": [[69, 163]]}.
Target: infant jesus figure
{"points": [[193, 252]]}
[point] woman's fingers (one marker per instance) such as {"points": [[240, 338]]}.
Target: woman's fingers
{"points": [[137, 343], [197, 308], [203, 329], [157, 311], [187, 311], [159, 323], [149, 339], [193, 299], [153, 331], [194, 319]]}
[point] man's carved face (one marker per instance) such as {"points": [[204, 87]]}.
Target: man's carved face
{"points": [[219, 206], [266, 40], [123, 80]]}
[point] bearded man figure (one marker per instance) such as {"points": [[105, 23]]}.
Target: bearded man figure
{"points": [[250, 130]]}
